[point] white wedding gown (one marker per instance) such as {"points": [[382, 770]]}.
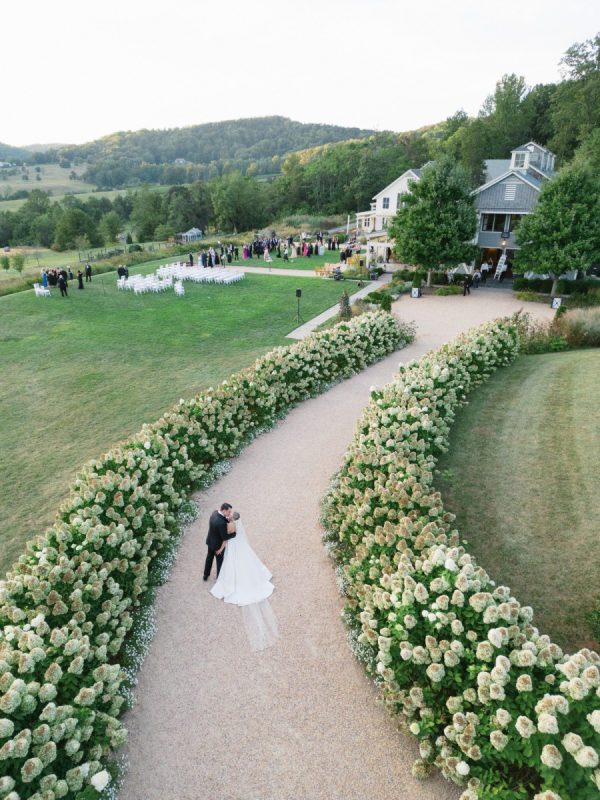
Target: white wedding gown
{"points": [[243, 579]]}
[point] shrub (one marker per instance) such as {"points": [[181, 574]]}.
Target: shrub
{"points": [[345, 310], [439, 278], [444, 290], [386, 303], [5, 262], [457, 659], [589, 299], [68, 603], [417, 280], [135, 248], [18, 262], [581, 328], [530, 297]]}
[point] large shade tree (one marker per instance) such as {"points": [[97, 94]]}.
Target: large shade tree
{"points": [[563, 231], [437, 221]]}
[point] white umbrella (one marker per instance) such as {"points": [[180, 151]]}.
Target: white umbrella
{"points": [[463, 269]]}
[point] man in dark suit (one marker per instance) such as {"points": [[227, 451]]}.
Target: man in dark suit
{"points": [[216, 538]]}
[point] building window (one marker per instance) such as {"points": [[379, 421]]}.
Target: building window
{"points": [[519, 160], [386, 202], [510, 191], [493, 222], [514, 221]]}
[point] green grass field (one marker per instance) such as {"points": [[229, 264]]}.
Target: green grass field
{"points": [[302, 262], [522, 477], [83, 372]]}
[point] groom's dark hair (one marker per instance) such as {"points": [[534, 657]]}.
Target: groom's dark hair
{"points": [[225, 506]]}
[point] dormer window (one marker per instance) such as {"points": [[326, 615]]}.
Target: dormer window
{"points": [[519, 160]]}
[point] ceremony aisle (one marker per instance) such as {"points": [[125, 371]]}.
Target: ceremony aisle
{"points": [[297, 721]]}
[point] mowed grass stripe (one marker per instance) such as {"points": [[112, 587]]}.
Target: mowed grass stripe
{"points": [[521, 475], [83, 372]]}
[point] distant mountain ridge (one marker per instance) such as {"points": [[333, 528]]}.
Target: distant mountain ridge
{"points": [[43, 148], [253, 146], [256, 137], [9, 153]]}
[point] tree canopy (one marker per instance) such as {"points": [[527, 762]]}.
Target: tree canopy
{"points": [[563, 232], [437, 221]]}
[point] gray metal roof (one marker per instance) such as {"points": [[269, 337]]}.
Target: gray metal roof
{"points": [[495, 167]]}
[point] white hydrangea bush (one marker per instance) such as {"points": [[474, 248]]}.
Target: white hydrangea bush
{"points": [[67, 605], [495, 704]]}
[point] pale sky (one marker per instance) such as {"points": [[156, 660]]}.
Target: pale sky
{"points": [[73, 71]]}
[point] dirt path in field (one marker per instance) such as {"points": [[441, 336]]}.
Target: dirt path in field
{"points": [[298, 721]]}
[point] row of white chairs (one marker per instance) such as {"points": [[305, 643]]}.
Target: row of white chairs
{"points": [[178, 272], [41, 291], [200, 274], [140, 284]]}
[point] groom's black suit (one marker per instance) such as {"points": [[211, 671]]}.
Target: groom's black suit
{"points": [[217, 534]]}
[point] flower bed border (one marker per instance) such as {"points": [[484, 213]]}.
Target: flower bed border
{"points": [[66, 607], [457, 658]]}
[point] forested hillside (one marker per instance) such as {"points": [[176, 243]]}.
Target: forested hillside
{"points": [[8, 153], [209, 150]]}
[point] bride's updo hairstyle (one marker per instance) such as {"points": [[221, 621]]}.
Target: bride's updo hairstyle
{"points": [[236, 515]]}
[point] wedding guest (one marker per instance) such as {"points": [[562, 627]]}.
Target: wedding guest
{"points": [[88, 272], [80, 279], [70, 273], [44, 279], [62, 285]]}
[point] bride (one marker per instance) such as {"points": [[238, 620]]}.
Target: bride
{"points": [[243, 578]]}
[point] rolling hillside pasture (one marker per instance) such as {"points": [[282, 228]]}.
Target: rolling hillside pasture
{"points": [[54, 179], [83, 372], [15, 205]]}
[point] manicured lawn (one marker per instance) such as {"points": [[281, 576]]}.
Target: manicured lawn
{"points": [[301, 262], [83, 372], [522, 477]]}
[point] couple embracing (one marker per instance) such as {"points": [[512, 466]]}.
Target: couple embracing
{"points": [[242, 578]]}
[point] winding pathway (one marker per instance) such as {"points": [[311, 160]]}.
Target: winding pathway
{"points": [[299, 721]]}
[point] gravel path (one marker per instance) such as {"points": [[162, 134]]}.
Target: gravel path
{"points": [[299, 721]]}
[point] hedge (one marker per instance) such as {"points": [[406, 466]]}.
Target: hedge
{"points": [[67, 605], [495, 704]]}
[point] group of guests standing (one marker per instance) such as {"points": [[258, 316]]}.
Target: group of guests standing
{"points": [[215, 256], [61, 278]]}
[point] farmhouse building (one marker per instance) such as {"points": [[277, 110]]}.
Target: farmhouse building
{"points": [[386, 203], [511, 189], [510, 192]]}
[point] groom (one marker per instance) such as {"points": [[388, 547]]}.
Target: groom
{"points": [[217, 536]]}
